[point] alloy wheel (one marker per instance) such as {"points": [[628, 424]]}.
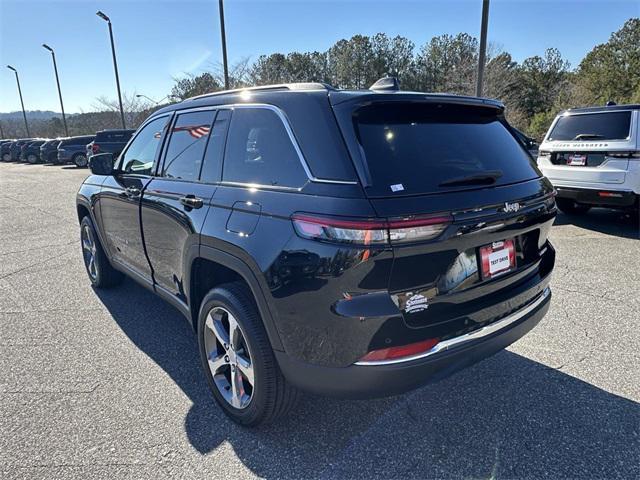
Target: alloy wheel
{"points": [[89, 251], [229, 358], [81, 161]]}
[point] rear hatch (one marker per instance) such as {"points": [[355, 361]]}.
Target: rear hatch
{"points": [[583, 148], [457, 162]]}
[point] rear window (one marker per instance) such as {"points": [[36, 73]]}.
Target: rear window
{"points": [[118, 136], [592, 126], [428, 148]]}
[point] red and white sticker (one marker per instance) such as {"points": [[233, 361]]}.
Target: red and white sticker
{"points": [[497, 258]]}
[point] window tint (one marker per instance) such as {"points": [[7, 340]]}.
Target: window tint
{"points": [[187, 144], [260, 151], [592, 126], [215, 148], [143, 150], [414, 149]]}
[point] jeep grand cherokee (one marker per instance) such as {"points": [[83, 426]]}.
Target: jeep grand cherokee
{"points": [[348, 243]]}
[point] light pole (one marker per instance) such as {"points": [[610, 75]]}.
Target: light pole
{"points": [[224, 45], [55, 69], [483, 46], [115, 64], [24, 114]]}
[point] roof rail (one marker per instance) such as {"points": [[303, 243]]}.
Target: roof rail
{"points": [[281, 86]]}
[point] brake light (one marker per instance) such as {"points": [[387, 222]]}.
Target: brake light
{"points": [[95, 148], [610, 194], [370, 231], [401, 351]]}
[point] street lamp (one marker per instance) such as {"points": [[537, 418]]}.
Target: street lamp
{"points": [[55, 69], [24, 115], [224, 46], [115, 64], [483, 46]]}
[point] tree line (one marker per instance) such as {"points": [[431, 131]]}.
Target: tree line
{"points": [[533, 90]]}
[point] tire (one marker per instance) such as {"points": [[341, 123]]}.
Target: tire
{"points": [[32, 158], [100, 271], [270, 395], [571, 207], [80, 160], [6, 157]]}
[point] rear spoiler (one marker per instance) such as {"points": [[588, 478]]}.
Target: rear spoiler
{"points": [[338, 97]]}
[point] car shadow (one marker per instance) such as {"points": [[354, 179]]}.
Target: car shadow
{"points": [[505, 417], [604, 220]]}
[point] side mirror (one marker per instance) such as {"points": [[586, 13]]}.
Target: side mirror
{"points": [[101, 164]]}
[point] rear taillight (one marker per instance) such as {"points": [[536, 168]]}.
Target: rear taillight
{"points": [[95, 148], [370, 231], [400, 352]]}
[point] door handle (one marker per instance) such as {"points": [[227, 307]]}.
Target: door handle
{"points": [[132, 192], [191, 201]]}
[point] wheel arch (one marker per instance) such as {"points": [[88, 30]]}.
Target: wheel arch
{"points": [[210, 267]]}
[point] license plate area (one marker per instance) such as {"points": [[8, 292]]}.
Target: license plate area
{"points": [[577, 160], [497, 258]]}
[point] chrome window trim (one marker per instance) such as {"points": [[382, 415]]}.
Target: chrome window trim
{"points": [[475, 335], [287, 126]]}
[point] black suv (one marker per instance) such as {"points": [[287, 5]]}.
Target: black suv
{"points": [[5, 150], [109, 141], [74, 150], [49, 150], [348, 243], [15, 150], [31, 152]]}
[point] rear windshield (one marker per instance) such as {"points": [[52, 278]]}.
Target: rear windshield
{"points": [[592, 126], [117, 136], [428, 148], [77, 141]]}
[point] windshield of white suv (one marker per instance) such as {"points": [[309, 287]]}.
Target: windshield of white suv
{"points": [[592, 126]]}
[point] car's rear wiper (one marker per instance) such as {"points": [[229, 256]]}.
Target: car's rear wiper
{"points": [[484, 178], [585, 136]]}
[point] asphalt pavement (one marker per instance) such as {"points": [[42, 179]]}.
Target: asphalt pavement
{"points": [[108, 384]]}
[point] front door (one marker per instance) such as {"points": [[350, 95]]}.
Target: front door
{"points": [[119, 199]]}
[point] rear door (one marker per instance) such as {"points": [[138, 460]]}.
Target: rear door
{"points": [[119, 199], [468, 209], [176, 201]]}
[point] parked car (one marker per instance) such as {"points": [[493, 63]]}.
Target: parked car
{"points": [[49, 150], [109, 141], [5, 150], [73, 150], [340, 242], [31, 151], [592, 157], [16, 148]]}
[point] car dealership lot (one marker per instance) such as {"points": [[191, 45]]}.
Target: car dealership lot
{"points": [[109, 384]]}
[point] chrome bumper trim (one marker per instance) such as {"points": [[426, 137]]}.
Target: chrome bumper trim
{"points": [[475, 335]]}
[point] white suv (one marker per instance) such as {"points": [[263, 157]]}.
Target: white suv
{"points": [[592, 157]]}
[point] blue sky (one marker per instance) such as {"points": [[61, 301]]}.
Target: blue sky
{"points": [[157, 40]]}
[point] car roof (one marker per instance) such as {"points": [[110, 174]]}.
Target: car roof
{"points": [[601, 109], [336, 96]]}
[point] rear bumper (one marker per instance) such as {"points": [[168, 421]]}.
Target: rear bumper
{"points": [[604, 198], [379, 380]]}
